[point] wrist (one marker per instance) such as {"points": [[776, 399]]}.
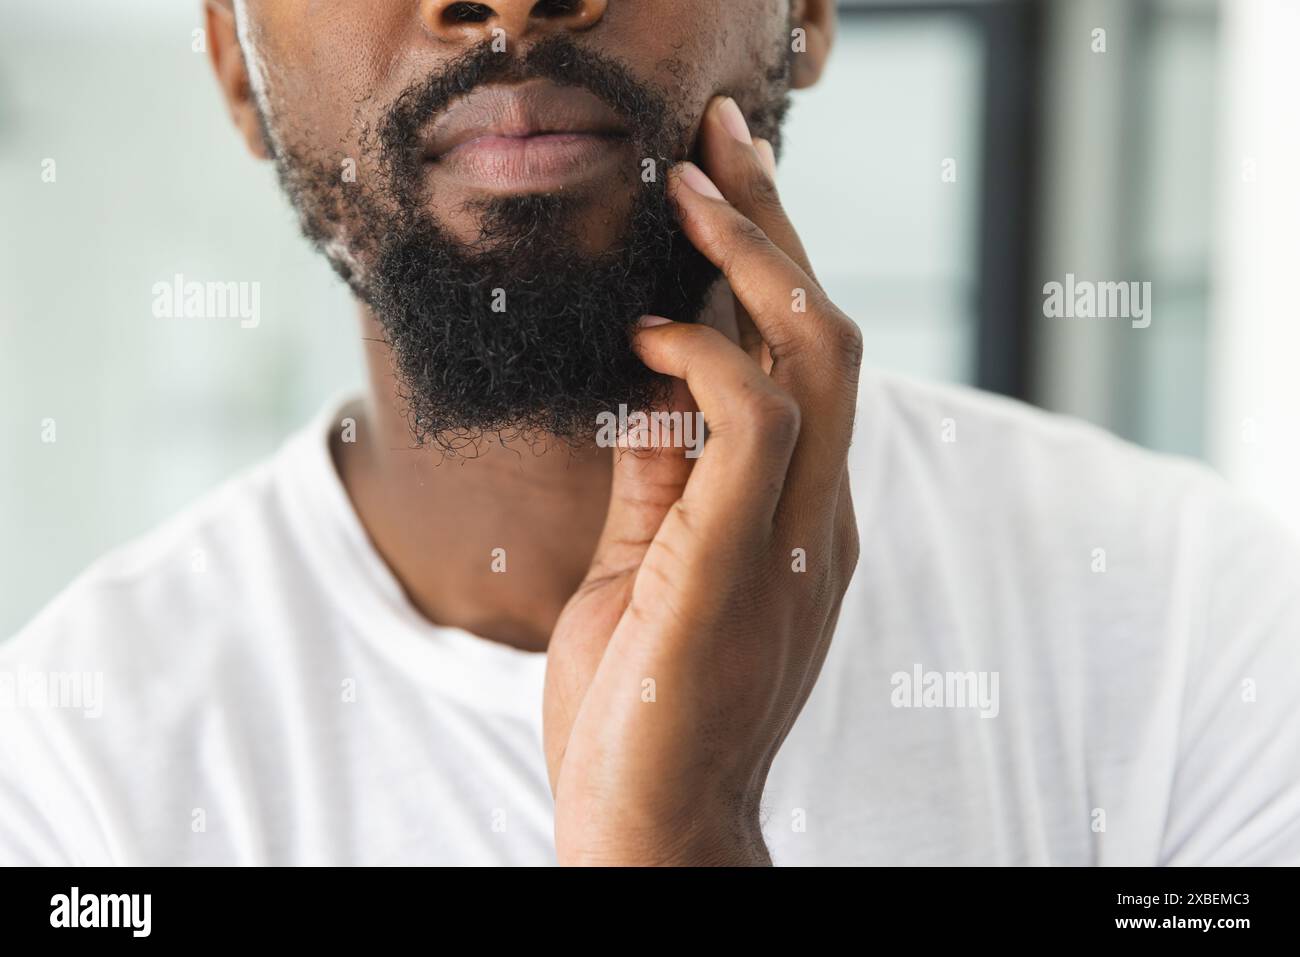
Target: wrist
{"points": [[704, 840]]}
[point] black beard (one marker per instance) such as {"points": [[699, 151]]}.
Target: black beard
{"points": [[519, 333]]}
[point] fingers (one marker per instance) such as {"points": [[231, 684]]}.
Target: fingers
{"points": [[816, 350], [647, 482], [750, 339], [753, 426], [768, 155], [744, 169], [735, 218], [739, 225], [766, 281]]}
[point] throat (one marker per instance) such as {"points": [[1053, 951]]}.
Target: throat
{"points": [[494, 545]]}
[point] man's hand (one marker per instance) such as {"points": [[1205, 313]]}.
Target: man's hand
{"points": [[680, 664]]}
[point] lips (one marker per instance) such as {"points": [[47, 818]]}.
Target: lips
{"points": [[534, 134]]}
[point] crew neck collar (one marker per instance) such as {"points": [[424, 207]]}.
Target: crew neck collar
{"points": [[450, 661]]}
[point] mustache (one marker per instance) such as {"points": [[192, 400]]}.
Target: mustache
{"points": [[643, 109]]}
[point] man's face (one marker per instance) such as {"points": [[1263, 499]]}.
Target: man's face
{"points": [[490, 180]]}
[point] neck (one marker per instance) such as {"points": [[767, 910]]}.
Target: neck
{"points": [[495, 544]]}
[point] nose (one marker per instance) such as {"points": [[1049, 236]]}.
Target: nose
{"points": [[473, 22]]}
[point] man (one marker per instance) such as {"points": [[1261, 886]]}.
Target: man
{"points": [[449, 624]]}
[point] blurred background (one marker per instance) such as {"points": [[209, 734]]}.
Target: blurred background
{"points": [[957, 157]]}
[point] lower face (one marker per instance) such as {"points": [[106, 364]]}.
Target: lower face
{"points": [[421, 169]]}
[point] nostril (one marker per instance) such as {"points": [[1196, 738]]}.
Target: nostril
{"points": [[548, 9], [452, 20], [467, 13]]}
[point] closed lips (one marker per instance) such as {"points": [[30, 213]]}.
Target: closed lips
{"points": [[494, 116]]}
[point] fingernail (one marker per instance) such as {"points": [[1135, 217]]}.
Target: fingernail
{"points": [[733, 121], [767, 155], [645, 322], [695, 178]]}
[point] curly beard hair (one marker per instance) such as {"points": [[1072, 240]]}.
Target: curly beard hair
{"points": [[518, 333]]}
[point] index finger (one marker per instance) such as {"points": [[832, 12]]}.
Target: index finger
{"points": [[816, 349], [745, 171]]}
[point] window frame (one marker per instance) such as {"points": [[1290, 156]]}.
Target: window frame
{"points": [[1006, 231]]}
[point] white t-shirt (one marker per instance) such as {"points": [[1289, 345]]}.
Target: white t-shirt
{"points": [[1057, 649]]}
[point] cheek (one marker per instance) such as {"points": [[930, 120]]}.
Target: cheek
{"points": [[333, 64], [697, 49]]}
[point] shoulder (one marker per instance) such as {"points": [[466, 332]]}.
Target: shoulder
{"points": [[989, 455], [97, 691], [168, 574], [1163, 599], [1001, 470], [983, 428]]}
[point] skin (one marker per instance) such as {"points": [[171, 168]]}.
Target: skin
{"points": [[634, 566]]}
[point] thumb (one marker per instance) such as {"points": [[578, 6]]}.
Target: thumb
{"points": [[651, 466], [650, 472]]}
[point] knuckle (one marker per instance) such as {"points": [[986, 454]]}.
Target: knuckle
{"points": [[849, 338], [841, 343], [784, 346], [763, 197], [775, 415], [745, 231]]}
